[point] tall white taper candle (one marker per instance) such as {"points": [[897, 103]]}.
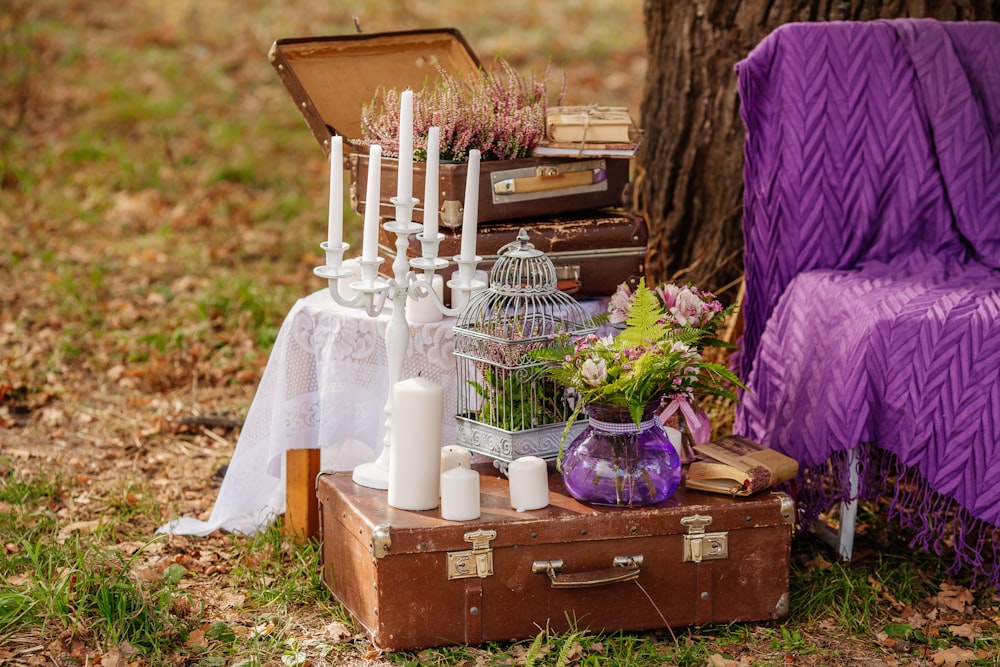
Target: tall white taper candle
{"points": [[470, 216], [404, 180], [335, 231], [369, 242], [431, 183]]}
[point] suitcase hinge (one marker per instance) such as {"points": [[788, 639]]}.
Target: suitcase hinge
{"points": [[787, 508], [474, 562], [699, 545], [381, 540]]}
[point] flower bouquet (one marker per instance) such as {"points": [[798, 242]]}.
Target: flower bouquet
{"points": [[624, 457]]}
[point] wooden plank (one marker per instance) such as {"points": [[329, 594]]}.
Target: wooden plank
{"points": [[301, 507]]}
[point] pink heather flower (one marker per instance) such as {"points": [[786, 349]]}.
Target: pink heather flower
{"points": [[594, 371]]}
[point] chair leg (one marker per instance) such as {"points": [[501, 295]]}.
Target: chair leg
{"points": [[843, 538], [849, 509]]}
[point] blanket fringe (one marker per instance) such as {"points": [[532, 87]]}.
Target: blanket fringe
{"points": [[938, 524]]}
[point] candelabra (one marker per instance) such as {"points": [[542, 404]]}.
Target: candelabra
{"points": [[411, 278]]}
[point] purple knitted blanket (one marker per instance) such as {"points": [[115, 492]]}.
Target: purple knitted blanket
{"points": [[872, 231]]}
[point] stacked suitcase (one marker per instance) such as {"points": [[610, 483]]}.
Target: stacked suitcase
{"points": [[584, 228], [414, 580]]}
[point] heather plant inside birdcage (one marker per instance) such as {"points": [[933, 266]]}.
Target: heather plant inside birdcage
{"points": [[506, 408]]}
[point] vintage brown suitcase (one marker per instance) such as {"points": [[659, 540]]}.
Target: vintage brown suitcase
{"points": [[412, 579], [593, 251], [332, 78]]}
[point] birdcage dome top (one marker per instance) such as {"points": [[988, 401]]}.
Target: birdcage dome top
{"points": [[522, 301]]}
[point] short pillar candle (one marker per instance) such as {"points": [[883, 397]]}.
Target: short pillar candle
{"points": [[460, 494], [415, 444], [529, 483], [455, 456]]}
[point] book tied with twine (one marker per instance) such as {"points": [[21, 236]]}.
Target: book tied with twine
{"points": [[738, 466]]}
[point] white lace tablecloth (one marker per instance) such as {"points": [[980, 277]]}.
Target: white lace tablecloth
{"points": [[325, 386]]}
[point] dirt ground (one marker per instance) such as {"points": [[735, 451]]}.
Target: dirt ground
{"points": [[161, 204]]}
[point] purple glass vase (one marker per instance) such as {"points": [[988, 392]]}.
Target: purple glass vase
{"points": [[614, 462]]}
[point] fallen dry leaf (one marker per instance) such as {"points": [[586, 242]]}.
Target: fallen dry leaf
{"points": [[953, 656], [719, 660], [965, 631], [335, 631], [957, 598]]}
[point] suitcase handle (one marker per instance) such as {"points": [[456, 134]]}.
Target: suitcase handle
{"points": [[624, 568]]}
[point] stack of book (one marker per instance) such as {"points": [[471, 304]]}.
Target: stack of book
{"points": [[588, 131], [738, 466]]}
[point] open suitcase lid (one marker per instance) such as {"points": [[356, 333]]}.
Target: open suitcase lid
{"points": [[332, 78]]}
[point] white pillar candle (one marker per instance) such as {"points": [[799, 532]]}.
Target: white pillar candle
{"points": [[460, 494], [335, 224], [344, 288], [404, 180], [676, 439], [431, 183], [529, 483], [369, 242], [455, 456], [470, 215], [415, 444], [425, 310]]}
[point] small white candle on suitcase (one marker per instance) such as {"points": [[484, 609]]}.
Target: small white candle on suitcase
{"points": [[460, 494], [529, 483], [415, 444], [455, 456]]}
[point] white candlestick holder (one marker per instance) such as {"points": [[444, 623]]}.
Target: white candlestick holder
{"points": [[373, 291]]}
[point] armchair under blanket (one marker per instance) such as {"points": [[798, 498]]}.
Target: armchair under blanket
{"points": [[872, 310]]}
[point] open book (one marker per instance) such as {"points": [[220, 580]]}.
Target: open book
{"points": [[738, 466]]}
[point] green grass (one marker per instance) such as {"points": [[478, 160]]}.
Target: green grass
{"points": [[161, 205]]}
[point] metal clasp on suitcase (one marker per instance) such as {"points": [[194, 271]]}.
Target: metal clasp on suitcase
{"points": [[699, 545], [546, 181], [623, 568], [474, 562]]}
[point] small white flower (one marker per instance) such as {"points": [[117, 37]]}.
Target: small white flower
{"points": [[595, 371]]}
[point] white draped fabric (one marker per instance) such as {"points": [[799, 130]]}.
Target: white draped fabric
{"points": [[325, 386]]}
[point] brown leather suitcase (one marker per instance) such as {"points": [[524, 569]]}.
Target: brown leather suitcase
{"points": [[413, 580], [331, 78], [593, 251]]}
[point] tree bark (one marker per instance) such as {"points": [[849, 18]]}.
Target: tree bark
{"points": [[689, 179]]}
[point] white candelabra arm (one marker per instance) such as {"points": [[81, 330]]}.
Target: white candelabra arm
{"points": [[372, 292], [368, 293]]}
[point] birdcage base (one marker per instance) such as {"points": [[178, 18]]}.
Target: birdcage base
{"points": [[505, 446]]}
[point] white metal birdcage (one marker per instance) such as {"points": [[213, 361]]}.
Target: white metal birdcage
{"points": [[506, 409]]}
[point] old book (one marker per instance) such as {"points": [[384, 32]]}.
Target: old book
{"points": [[580, 149], [738, 466], [590, 124]]}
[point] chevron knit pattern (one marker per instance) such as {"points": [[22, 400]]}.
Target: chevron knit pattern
{"points": [[872, 264]]}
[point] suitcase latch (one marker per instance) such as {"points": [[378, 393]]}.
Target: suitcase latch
{"points": [[474, 562], [381, 540], [700, 545]]}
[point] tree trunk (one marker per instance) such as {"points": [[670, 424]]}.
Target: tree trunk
{"points": [[689, 180]]}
